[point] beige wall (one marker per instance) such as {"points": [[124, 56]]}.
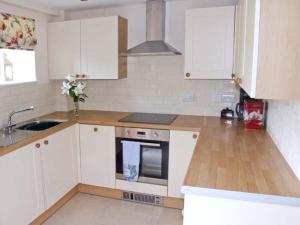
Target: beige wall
{"points": [[154, 84], [39, 94], [284, 127]]}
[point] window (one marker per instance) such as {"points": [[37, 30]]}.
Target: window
{"points": [[17, 66]]}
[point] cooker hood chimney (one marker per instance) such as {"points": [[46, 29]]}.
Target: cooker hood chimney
{"points": [[155, 44]]}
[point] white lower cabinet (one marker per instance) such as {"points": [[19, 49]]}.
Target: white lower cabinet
{"points": [[21, 189], [97, 145], [182, 145], [59, 164]]}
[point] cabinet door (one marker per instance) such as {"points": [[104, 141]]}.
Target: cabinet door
{"points": [[59, 163], [250, 19], [99, 48], [64, 49], [182, 145], [209, 43], [21, 190], [98, 155], [240, 32]]}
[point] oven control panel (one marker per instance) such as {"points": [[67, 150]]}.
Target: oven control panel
{"points": [[143, 134]]}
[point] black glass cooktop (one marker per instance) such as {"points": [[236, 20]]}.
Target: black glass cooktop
{"points": [[149, 118]]}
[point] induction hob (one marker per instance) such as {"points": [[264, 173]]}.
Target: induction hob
{"points": [[149, 118]]}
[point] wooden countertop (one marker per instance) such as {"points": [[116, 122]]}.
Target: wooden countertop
{"points": [[226, 157], [235, 159]]}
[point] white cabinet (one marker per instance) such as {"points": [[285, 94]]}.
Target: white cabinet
{"points": [[21, 190], [182, 145], [64, 49], [89, 48], [98, 155], [59, 164], [209, 43], [267, 48], [101, 45]]}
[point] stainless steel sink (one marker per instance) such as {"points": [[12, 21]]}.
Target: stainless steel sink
{"points": [[38, 125], [26, 130]]}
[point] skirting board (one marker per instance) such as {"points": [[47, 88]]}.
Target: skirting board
{"points": [[49, 212], [174, 203]]}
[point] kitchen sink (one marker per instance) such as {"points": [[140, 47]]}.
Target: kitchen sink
{"points": [[38, 125]]}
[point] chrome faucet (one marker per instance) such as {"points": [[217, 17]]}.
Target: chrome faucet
{"points": [[10, 126]]}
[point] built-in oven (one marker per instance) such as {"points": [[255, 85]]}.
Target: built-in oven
{"points": [[154, 153]]}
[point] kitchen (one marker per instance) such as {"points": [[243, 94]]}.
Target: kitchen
{"points": [[70, 173]]}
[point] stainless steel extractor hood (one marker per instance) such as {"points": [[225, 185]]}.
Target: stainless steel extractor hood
{"points": [[155, 44]]}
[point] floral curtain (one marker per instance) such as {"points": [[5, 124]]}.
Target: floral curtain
{"points": [[17, 32]]}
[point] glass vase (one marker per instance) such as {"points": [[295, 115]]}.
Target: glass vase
{"points": [[76, 108]]}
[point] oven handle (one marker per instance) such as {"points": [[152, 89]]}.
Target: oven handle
{"points": [[148, 144]]}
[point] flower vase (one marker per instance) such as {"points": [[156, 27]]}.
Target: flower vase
{"points": [[76, 108]]}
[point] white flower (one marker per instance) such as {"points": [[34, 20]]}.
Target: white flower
{"points": [[79, 89], [71, 78], [66, 88]]}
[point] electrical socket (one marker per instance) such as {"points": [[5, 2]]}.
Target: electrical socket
{"points": [[227, 98], [188, 97]]}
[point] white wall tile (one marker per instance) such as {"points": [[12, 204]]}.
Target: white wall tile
{"points": [[154, 84]]}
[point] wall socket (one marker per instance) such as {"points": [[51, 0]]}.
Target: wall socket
{"points": [[188, 97], [227, 98], [224, 98]]}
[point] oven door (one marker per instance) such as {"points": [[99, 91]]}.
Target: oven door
{"points": [[154, 161]]}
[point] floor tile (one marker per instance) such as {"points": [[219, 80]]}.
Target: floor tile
{"points": [[86, 209]]}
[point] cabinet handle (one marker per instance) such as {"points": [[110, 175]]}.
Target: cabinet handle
{"points": [[195, 136], [37, 145], [46, 142], [84, 76], [77, 76], [95, 129], [188, 75], [237, 79]]}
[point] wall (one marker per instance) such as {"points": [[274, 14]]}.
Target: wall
{"points": [[38, 94], [284, 127], [154, 84]]}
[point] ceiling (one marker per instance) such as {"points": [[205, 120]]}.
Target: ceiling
{"points": [[54, 6], [77, 4]]}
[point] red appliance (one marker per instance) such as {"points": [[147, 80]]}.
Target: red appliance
{"points": [[253, 114]]}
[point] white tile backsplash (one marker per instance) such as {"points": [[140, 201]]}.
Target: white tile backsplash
{"points": [[154, 84], [284, 127], [14, 97]]}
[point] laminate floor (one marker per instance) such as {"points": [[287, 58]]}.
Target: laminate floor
{"points": [[86, 209]]}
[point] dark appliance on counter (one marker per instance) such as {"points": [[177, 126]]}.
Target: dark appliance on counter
{"points": [[227, 114], [240, 106], [154, 153]]}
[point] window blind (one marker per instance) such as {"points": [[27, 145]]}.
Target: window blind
{"points": [[17, 32]]}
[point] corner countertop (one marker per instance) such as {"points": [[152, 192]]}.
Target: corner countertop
{"points": [[226, 158]]}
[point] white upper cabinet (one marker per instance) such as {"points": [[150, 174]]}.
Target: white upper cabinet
{"points": [[21, 189], [209, 43], [267, 48], [100, 48], [59, 163], [98, 155], [64, 49], [182, 146], [88, 48]]}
